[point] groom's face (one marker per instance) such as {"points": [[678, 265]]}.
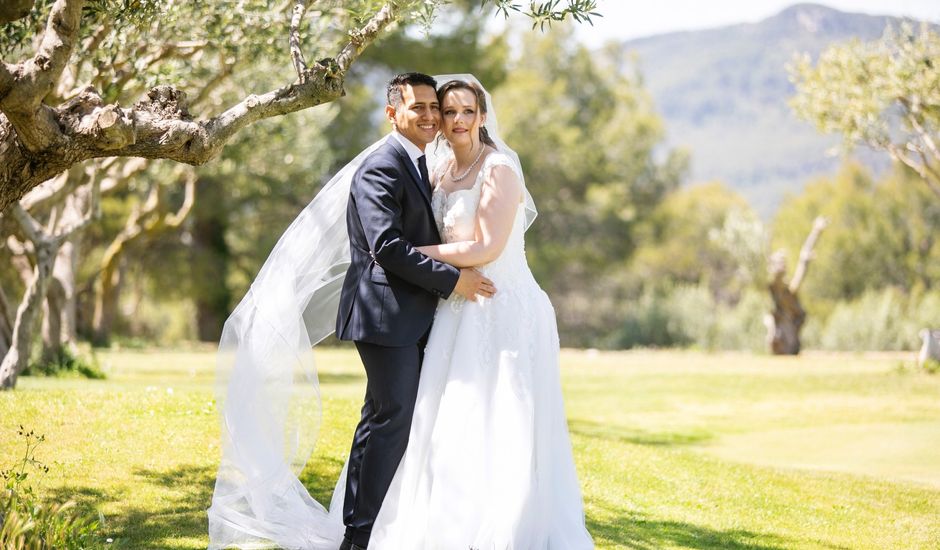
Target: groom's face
{"points": [[418, 117]]}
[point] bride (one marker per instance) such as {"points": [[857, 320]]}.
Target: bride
{"points": [[489, 462]]}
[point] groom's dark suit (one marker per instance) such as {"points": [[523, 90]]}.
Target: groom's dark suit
{"points": [[387, 305]]}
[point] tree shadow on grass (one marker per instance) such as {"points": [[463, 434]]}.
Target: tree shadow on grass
{"points": [[622, 529], [178, 520], [597, 430]]}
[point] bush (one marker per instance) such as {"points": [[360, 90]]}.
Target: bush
{"points": [[66, 363], [880, 320], [741, 327], [932, 366], [689, 316], [28, 524], [648, 324]]}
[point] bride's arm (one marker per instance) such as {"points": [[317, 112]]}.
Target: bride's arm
{"points": [[499, 201]]}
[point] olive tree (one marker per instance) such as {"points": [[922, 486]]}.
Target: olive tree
{"points": [[884, 94]]}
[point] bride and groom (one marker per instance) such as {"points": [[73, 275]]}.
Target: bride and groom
{"points": [[462, 441]]}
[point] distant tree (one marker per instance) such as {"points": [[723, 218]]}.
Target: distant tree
{"points": [[883, 233], [678, 245], [744, 236], [588, 136], [786, 320], [883, 94]]}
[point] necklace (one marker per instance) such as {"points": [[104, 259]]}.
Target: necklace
{"points": [[467, 171]]}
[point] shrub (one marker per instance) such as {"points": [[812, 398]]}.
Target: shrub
{"points": [[932, 366], [26, 523], [648, 323], [66, 363], [689, 315], [880, 320]]}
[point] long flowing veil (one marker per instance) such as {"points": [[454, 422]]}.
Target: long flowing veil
{"points": [[266, 376]]}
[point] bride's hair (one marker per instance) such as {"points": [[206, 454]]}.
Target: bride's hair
{"points": [[481, 102]]}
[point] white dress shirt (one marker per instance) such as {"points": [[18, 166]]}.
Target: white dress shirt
{"points": [[413, 151]]}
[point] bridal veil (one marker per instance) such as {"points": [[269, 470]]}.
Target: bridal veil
{"points": [[267, 384]]}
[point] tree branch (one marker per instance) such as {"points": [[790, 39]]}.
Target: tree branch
{"points": [[54, 188], [36, 78], [297, 56], [29, 225], [94, 210], [921, 168], [58, 41], [177, 219], [159, 126], [924, 135], [806, 254], [931, 170], [359, 39]]}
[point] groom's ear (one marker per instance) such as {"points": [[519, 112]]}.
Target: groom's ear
{"points": [[390, 114]]}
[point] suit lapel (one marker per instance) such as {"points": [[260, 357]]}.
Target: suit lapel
{"points": [[410, 166]]}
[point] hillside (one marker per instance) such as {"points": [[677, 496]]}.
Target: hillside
{"points": [[723, 93]]}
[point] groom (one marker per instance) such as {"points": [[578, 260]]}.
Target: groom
{"points": [[390, 293]]}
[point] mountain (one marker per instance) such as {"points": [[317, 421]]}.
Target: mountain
{"points": [[723, 93]]}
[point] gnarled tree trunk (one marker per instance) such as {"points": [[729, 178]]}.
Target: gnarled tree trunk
{"points": [[786, 320], [147, 220], [52, 337], [17, 356], [107, 290], [45, 245], [59, 310]]}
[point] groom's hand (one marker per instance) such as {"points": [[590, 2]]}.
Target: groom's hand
{"points": [[472, 282]]}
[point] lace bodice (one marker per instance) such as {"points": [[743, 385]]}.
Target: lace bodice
{"points": [[456, 217]]}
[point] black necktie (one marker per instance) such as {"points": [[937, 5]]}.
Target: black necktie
{"points": [[423, 168]]}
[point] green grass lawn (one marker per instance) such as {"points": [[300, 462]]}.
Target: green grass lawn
{"points": [[674, 449]]}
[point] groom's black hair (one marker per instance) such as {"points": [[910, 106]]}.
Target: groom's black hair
{"points": [[393, 90]]}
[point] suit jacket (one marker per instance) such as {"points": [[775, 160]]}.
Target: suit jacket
{"points": [[391, 290]]}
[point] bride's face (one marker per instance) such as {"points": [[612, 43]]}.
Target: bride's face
{"points": [[461, 117]]}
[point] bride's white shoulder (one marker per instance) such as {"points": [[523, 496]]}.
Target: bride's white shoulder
{"points": [[502, 173], [500, 166], [497, 158]]}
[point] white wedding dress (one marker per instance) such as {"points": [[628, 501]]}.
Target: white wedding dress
{"points": [[489, 463]]}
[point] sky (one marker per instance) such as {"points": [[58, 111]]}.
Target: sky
{"points": [[626, 19]]}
